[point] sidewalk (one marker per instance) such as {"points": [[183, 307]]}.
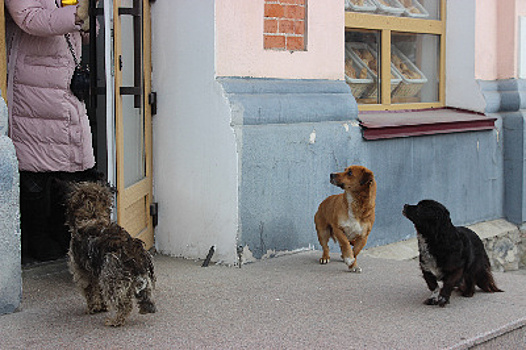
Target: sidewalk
{"points": [[289, 302]]}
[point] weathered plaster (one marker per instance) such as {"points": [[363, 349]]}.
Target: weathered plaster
{"points": [[462, 90], [507, 100], [285, 175], [195, 153], [10, 239], [239, 43], [245, 162]]}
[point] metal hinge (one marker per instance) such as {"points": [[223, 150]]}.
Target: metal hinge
{"points": [[154, 213], [152, 100]]}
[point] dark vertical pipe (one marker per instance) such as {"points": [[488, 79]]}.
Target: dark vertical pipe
{"points": [[137, 51], [93, 58]]}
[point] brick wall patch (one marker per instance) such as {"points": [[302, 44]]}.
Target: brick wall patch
{"points": [[285, 25]]}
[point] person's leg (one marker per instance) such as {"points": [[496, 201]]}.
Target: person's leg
{"points": [[37, 240]]}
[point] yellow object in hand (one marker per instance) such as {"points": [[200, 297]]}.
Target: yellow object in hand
{"points": [[69, 2]]}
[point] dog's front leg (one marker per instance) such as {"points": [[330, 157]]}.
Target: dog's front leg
{"points": [[94, 300], [123, 305], [323, 237], [432, 284], [345, 246], [450, 282], [358, 245]]}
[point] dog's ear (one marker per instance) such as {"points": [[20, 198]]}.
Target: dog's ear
{"points": [[367, 179]]}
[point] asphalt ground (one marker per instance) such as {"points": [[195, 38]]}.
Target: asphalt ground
{"points": [[288, 302]]}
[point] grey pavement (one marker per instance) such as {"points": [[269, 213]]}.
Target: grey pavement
{"points": [[288, 302]]}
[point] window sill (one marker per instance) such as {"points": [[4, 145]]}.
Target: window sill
{"points": [[388, 125]]}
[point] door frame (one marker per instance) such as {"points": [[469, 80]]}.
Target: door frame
{"points": [[142, 190], [138, 196]]}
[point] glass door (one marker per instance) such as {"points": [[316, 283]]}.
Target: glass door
{"points": [[132, 65]]}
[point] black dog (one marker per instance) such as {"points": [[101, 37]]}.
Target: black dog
{"points": [[454, 255]]}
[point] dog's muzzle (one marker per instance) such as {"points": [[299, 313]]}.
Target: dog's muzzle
{"points": [[334, 181], [408, 211]]}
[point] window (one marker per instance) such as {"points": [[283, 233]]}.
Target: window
{"points": [[394, 53]]}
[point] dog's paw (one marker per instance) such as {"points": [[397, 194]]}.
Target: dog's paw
{"points": [[433, 298], [431, 301], [468, 294], [442, 301], [147, 308], [96, 309], [115, 322], [355, 269], [349, 261], [324, 261]]}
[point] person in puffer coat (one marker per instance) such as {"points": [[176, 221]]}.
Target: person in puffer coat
{"points": [[47, 123]]}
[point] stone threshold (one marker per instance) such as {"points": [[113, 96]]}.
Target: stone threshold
{"points": [[504, 242]]}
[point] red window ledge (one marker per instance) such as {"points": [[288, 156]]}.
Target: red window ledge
{"points": [[387, 125]]}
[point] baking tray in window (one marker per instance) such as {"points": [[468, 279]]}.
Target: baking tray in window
{"points": [[413, 8], [358, 76], [356, 50], [412, 78], [360, 5], [389, 7]]}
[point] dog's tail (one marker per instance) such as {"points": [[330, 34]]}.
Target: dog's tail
{"points": [[486, 282]]}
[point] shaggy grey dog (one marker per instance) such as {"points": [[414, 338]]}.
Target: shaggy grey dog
{"points": [[109, 266]]}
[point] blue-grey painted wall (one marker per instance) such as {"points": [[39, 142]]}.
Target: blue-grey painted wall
{"points": [[507, 100], [293, 134]]}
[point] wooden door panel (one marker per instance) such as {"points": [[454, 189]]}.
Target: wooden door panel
{"points": [[133, 117]]}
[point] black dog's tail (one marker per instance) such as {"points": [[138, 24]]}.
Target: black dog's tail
{"points": [[486, 282]]}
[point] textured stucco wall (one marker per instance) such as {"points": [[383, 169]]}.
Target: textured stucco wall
{"points": [[289, 147], [482, 43], [289, 176], [195, 155], [506, 99], [240, 50], [246, 161], [496, 39], [462, 90], [10, 249]]}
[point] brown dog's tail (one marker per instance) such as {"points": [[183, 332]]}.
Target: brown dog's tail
{"points": [[487, 283]]}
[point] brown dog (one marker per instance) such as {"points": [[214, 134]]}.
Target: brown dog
{"points": [[347, 217]]}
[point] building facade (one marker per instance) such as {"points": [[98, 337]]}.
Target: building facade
{"points": [[247, 134], [256, 107]]}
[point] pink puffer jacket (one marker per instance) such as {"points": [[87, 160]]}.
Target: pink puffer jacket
{"points": [[48, 124]]}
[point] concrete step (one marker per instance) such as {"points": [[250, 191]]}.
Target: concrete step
{"points": [[505, 244]]}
